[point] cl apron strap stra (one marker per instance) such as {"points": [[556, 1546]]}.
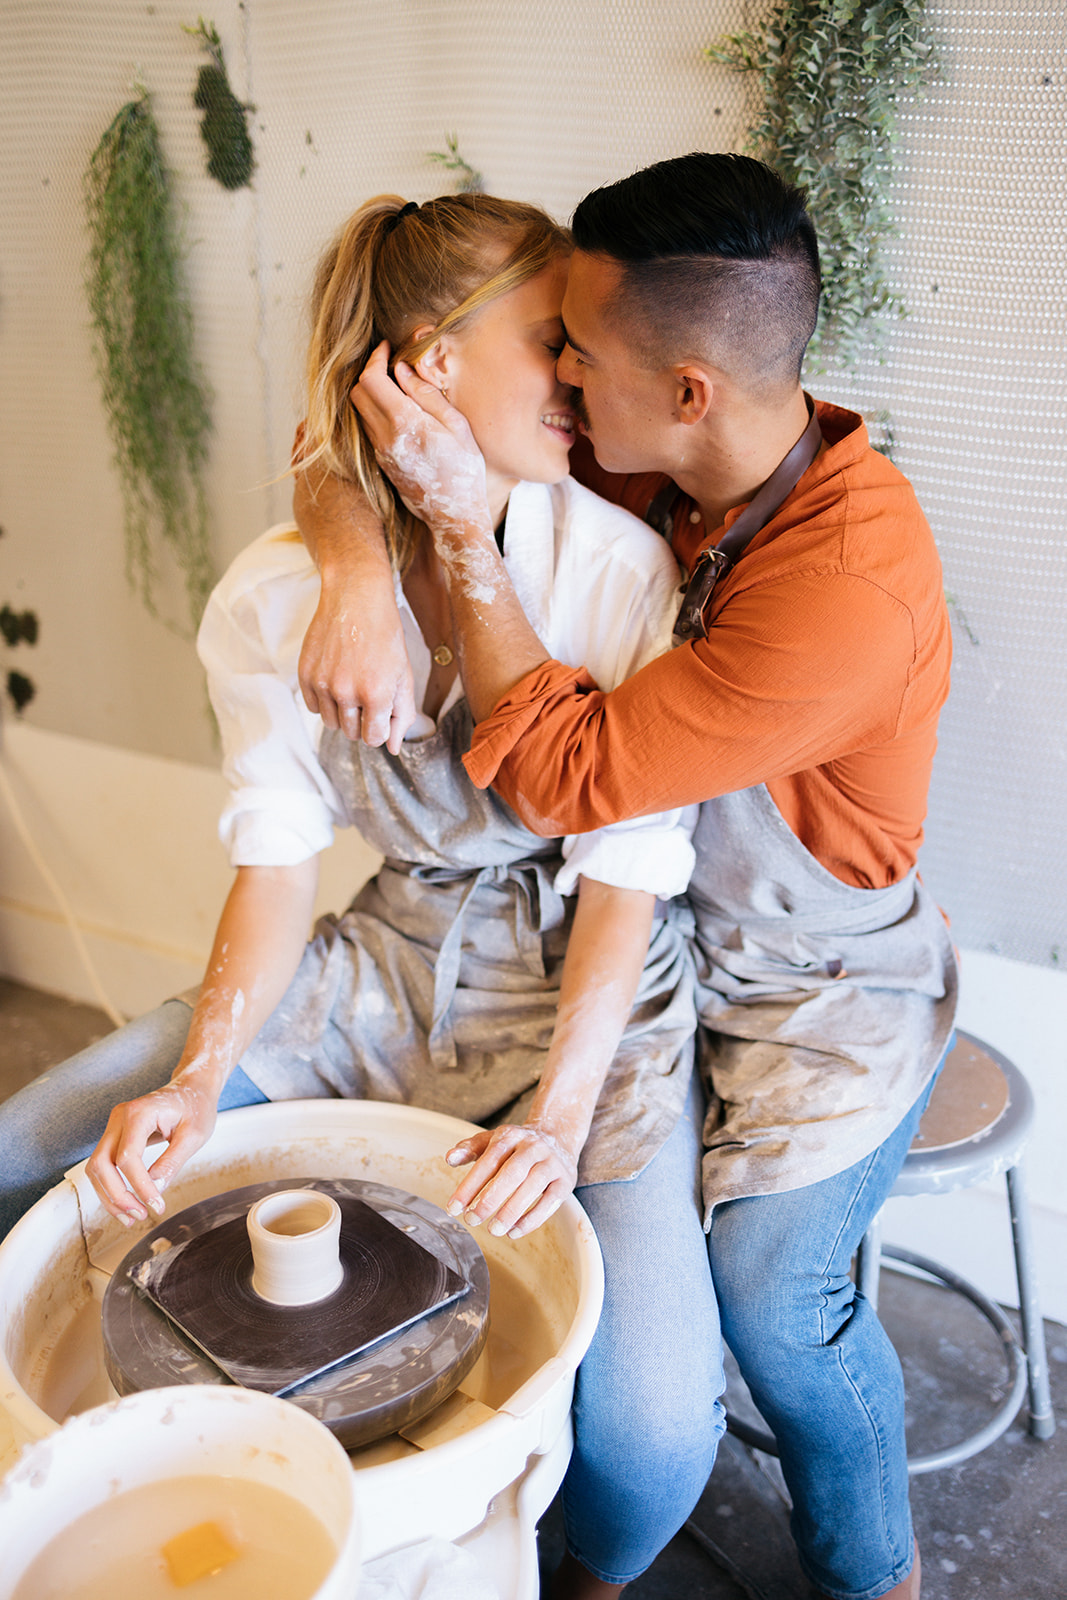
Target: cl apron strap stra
{"points": [[711, 564]]}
